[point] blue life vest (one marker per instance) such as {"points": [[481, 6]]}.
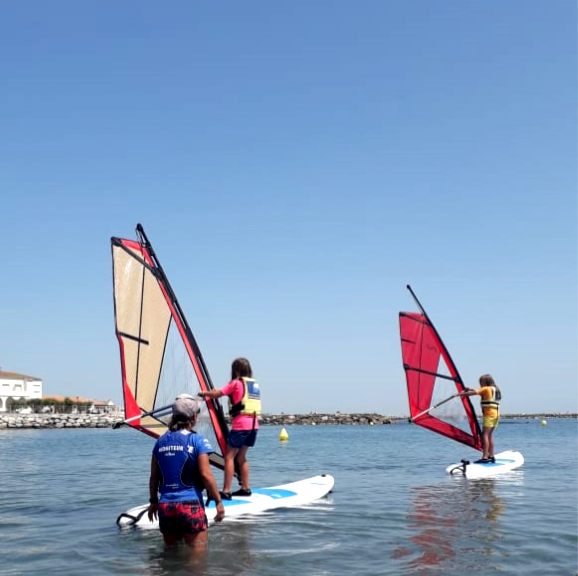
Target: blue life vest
{"points": [[177, 454]]}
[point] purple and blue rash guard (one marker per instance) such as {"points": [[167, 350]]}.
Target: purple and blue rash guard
{"points": [[177, 454]]}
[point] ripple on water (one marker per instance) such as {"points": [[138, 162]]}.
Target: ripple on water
{"points": [[393, 510]]}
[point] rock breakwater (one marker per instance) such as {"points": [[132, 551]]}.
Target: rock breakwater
{"points": [[58, 420], [21, 421], [108, 420], [325, 419]]}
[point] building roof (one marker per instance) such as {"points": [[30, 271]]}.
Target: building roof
{"points": [[16, 376], [77, 399]]}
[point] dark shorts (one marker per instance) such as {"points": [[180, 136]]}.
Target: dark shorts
{"points": [[240, 438], [182, 517]]}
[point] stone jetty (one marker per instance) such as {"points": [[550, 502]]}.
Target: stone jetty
{"points": [[326, 419], [20, 421], [58, 420], [108, 420]]}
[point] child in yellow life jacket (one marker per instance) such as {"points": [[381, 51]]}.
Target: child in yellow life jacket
{"points": [[490, 401], [244, 408]]}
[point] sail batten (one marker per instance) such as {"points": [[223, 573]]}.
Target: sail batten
{"points": [[160, 357], [432, 379], [135, 338], [436, 374]]}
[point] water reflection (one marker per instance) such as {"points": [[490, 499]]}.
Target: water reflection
{"points": [[233, 551], [453, 525], [229, 552], [177, 560]]}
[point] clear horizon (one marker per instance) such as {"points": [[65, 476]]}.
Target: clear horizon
{"points": [[295, 165]]}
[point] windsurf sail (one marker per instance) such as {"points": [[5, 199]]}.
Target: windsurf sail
{"points": [[433, 380], [159, 355]]}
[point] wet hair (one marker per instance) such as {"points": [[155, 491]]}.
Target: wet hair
{"points": [[241, 369], [180, 422]]}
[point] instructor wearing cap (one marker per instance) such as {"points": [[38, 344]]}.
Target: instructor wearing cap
{"points": [[180, 470]]}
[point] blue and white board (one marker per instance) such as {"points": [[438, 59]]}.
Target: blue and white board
{"points": [[261, 499], [505, 461]]}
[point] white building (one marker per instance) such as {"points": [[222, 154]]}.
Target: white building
{"points": [[18, 387]]}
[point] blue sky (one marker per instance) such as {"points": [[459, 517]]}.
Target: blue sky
{"points": [[295, 165]]}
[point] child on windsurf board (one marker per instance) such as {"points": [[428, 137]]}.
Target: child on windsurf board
{"points": [[490, 402], [244, 408]]}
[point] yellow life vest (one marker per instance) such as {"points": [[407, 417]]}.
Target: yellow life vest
{"points": [[494, 401], [250, 404]]}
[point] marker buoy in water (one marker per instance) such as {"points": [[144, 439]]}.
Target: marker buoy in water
{"points": [[283, 436], [544, 422]]}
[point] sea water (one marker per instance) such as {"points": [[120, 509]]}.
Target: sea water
{"points": [[393, 509]]}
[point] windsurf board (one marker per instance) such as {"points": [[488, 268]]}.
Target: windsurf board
{"points": [[261, 499], [505, 461]]}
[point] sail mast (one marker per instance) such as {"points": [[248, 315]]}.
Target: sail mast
{"points": [[457, 378]]}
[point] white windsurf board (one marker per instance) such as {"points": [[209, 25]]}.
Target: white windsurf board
{"points": [[505, 461], [261, 499]]}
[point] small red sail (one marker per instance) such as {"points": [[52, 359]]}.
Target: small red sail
{"points": [[432, 378], [160, 357]]}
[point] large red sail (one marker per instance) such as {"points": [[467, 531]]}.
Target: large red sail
{"points": [[432, 378], [160, 357]]}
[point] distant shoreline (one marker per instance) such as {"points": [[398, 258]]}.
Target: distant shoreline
{"points": [[58, 421], [373, 419]]}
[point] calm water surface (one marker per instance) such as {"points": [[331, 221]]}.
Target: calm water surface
{"points": [[393, 509]]}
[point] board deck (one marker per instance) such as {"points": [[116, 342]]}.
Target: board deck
{"points": [[261, 499], [505, 461]]}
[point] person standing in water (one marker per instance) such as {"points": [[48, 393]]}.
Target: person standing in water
{"points": [[490, 401], [244, 408], [180, 470]]}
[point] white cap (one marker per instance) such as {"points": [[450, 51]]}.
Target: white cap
{"points": [[186, 405]]}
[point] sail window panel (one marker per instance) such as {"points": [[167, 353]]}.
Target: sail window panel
{"points": [[177, 374]]}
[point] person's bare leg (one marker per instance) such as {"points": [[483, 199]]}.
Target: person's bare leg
{"points": [[197, 540], [486, 439], [171, 539], [229, 468], [491, 443], [198, 544], [244, 468]]}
